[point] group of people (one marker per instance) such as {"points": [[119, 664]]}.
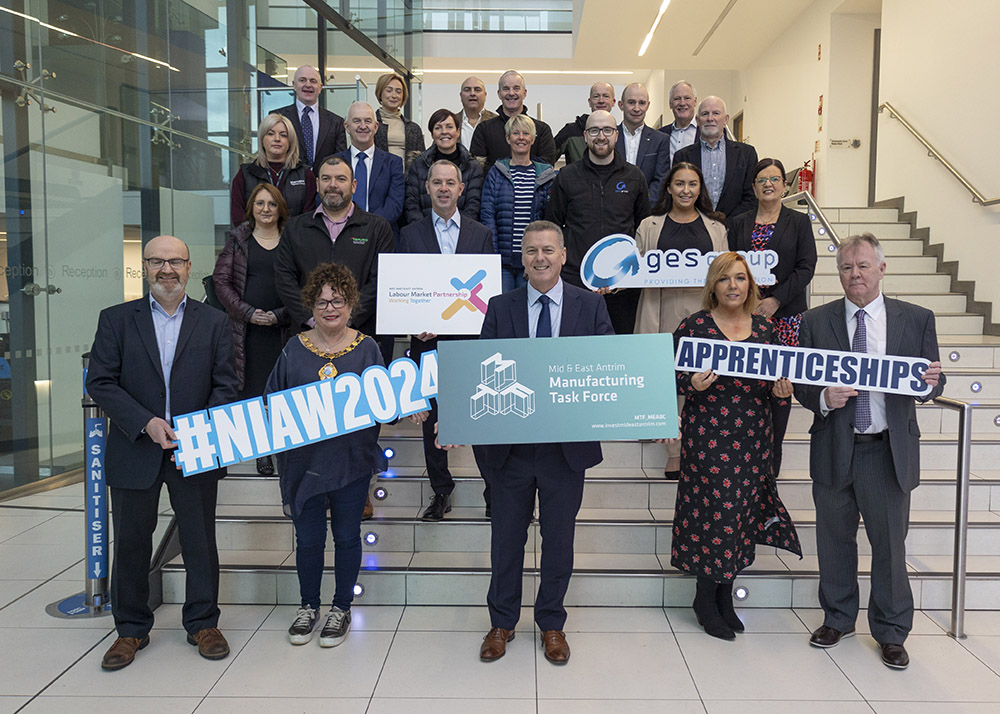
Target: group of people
{"points": [[300, 295]]}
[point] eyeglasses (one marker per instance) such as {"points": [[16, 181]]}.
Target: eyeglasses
{"points": [[595, 131], [765, 180], [262, 204], [175, 263], [336, 304]]}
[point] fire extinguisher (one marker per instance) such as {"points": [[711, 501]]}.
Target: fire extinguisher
{"points": [[806, 182]]}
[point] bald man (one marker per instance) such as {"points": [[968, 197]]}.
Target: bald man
{"points": [[569, 140], [641, 146], [320, 132], [473, 95], [154, 358]]}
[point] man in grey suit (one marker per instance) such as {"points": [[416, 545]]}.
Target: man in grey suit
{"points": [[864, 456]]}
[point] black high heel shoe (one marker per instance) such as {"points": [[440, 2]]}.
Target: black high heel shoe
{"points": [[707, 611], [724, 601]]}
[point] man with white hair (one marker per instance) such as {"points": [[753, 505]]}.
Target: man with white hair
{"points": [[489, 142], [683, 131], [727, 165]]}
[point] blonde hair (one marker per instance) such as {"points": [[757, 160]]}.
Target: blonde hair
{"points": [[720, 266], [266, 124], [520, 121], [383, 82]]}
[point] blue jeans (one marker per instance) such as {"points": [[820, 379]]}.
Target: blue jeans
{"points": [[347, 505], [510, 279]]}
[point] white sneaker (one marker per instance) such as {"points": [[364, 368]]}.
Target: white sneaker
{"points": [[338, 624], [303, 626]]}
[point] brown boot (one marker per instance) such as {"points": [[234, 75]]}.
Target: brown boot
{"points": [[122, 652], [495, 644], [210, 642]]}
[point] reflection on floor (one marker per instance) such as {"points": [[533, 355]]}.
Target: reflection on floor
{"points": [[417, 659]]}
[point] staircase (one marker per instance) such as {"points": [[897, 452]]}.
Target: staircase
{"points": [[624, 528]]}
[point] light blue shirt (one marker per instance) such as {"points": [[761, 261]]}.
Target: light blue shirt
{"points": [[713, 167], [447, 231], [167, 329], [555, 308], [679, 138]]}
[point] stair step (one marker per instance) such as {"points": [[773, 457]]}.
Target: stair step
{"points": [[923, 265], [892, 247], [882, 231], [936, 303], [892, 283]]}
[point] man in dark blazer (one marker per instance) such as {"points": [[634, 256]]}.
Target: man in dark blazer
{"points": [[444, 231], [864, 455], [326, 129], [730, 190], [640, 145], [154, 358], [385, 182], [547, 306]]}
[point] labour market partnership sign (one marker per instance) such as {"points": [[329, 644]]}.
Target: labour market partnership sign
{"points": [[562, 389]]}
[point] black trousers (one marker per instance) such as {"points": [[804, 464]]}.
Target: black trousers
{"points": [[622, 307], [532, 469], [872, 492], [134, 514], [779, 420]]}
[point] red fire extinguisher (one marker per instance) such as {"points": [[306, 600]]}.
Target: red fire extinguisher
{"points": [[806, 182]]}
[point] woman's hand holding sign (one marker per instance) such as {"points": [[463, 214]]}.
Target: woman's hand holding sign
{"points": [[703, 380]]}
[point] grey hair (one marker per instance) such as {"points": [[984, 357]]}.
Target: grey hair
{"points": [[510, 71], [854, 241], [678, 83], [444, 162], [539, 226]]}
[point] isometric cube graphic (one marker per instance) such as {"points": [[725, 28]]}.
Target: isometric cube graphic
{"points": [[484, 401], [498, 373], [518, 399]]}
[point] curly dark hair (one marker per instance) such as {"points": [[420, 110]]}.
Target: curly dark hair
{"points": [[339, 278]]}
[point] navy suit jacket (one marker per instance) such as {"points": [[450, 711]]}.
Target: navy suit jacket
{"points": [[126, 381], [652, 158], [331, 140], [583, 314], [419, 237], [386, 185], [737, 189]]}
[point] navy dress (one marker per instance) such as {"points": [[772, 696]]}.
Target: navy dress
{"points": [[727, 498], [326, 465]]}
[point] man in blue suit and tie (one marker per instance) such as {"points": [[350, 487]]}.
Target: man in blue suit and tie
{"points": [[641, 146], [381, 182], [448, 232], [545, 307]]}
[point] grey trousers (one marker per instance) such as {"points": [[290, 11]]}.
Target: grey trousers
{"points": [[871, 491]]}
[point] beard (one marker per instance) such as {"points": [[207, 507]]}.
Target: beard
{"points": [[166, 292], [335, 201]]}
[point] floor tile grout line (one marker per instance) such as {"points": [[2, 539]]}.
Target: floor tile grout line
{"points": [[962, 645], [687, 666], [68, 668], [45, 582], [386, 659]]}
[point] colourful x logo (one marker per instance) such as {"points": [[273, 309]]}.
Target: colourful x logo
{"points": [[473, 285]]}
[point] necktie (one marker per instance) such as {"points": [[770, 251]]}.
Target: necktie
{"points": [[307, 135], [862, 405], [361, 176], [543, 327]]}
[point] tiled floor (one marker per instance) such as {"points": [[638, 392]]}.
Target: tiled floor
{"points": [[424, 659]]}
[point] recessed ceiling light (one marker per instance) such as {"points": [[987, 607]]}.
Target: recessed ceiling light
{"points": [[652, 29]]}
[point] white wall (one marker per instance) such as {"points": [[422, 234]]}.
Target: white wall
{"points": [[938, 65]]}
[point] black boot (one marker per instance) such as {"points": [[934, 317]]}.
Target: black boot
{"points": [[265, 466], [724, 600], [707, 611]]}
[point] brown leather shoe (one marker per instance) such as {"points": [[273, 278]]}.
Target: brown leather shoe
{"points": [[556, 648], [369, 510], [122, 652], [495, 644], [211, 644]]}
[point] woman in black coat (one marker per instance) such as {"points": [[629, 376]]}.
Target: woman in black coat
{"points": [[789, 233], [446, 132]]}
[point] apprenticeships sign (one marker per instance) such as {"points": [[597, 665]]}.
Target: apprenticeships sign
{"points": [[892, 374], [245, 430], [614, 262]]}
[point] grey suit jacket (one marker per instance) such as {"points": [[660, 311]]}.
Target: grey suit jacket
{"points": [[910, 332]]}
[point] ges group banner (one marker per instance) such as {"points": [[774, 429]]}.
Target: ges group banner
{"points": [[429, 292], [830, 368], [559, 389], [242, 431], [614, 262]]}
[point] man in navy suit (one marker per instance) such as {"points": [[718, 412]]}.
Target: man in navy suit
{"points": [[545, 307], [727, 165], [384, 186], [153, 358], [640, 145], [444, 231], [324, 134]]}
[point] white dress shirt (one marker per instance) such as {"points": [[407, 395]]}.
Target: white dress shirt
{"points": [[447, 231], [631, 143], [369, 158]]}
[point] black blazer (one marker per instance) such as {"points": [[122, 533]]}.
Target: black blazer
{"points": [[795, 245], [737, 189], [126, 381], [910, 332], [584, 313], [669, 129], [331, 140], [419, 237], [652, 158]]}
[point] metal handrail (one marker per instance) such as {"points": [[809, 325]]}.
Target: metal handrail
{"points": [[815, 214], [964, 410], [977, 195]]}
